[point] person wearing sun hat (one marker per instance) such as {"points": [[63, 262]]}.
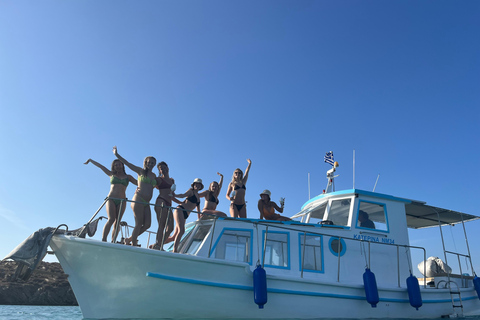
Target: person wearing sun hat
{"points": [[181, 213], [267, 207]]}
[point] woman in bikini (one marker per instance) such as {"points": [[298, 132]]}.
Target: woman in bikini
{"points": [[182, 212], [119, 180], [267, 208], [236, 192], [211, 200], [140, 205], [166, 187]]}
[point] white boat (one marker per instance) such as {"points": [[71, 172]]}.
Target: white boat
{"points": [[213, 276]]}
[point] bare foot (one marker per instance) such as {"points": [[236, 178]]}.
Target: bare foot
{"points": [[128, 241], [154, 246], [169, 239]]}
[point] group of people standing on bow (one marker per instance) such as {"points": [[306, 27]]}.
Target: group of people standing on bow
{"points": [[147, 181]]}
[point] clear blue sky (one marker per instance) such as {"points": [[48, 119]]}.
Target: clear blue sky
{"points": [[204, 85]]}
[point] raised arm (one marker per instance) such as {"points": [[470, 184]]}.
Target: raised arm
{"points": [[220, 183], [132, 167], [245, 176], [95, 163], [279, 209]]}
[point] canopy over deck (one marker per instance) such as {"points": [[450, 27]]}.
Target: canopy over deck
{"points": [[420, 215]]}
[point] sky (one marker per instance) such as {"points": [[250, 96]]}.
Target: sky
{"points": [[206, 85]]}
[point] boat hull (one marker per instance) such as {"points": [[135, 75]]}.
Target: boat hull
{"points": [[122, 282]]}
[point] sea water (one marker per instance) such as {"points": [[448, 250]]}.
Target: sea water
{"points": [[66, 313], [39, 313]]}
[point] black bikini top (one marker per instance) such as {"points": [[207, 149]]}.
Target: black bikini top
{"points": [[242, 187], [165, 185], [211, 197], [193, 199]]}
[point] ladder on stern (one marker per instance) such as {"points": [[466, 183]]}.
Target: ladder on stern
{"points": [[455, 294]]}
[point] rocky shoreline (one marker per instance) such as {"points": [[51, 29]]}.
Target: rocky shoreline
{"points": [[47, 286]]}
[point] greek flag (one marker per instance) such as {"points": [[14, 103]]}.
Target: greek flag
{"points": [[329, 158]]}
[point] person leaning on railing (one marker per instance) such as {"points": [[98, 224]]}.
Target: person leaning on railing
{"points": [[140, 202], [166, 187], [119, 180], [182, 212]]}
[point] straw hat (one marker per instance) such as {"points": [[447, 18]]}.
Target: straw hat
{"points": [[267, 192]]}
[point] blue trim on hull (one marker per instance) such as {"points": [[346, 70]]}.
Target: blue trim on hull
{"points": [[295, 292], [200, 282]]}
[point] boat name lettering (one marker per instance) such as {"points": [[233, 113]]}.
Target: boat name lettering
{"points": [[373, 239]]}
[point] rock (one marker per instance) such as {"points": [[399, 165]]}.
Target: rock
{"points": [[47, 286]]}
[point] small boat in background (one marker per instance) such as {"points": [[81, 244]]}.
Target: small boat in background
{"points": [[346, 254]]}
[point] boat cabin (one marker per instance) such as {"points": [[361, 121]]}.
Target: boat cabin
{"points": [[334, 237]]}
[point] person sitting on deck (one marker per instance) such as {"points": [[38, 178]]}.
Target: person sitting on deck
{"points": [[267, 208], [364, 220]]}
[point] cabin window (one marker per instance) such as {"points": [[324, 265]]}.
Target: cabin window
{"points": [[313, 260], [197, 238], [317, 213], [234, 245], [276, 249], [372, 215], [339, 212]]}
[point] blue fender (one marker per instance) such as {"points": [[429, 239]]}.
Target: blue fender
{"points": [[414, 292], [260, 286], [371, 291], [476, 284]]}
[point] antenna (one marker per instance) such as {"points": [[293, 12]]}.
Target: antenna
{"points": [[353, 168], [376, 183], [309, 186]]}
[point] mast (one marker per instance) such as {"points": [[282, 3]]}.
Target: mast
{"points": [[331, 178]]}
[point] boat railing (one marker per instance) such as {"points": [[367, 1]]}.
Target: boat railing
{"points": [[361, 241], [459, 255], [117, 226]]}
